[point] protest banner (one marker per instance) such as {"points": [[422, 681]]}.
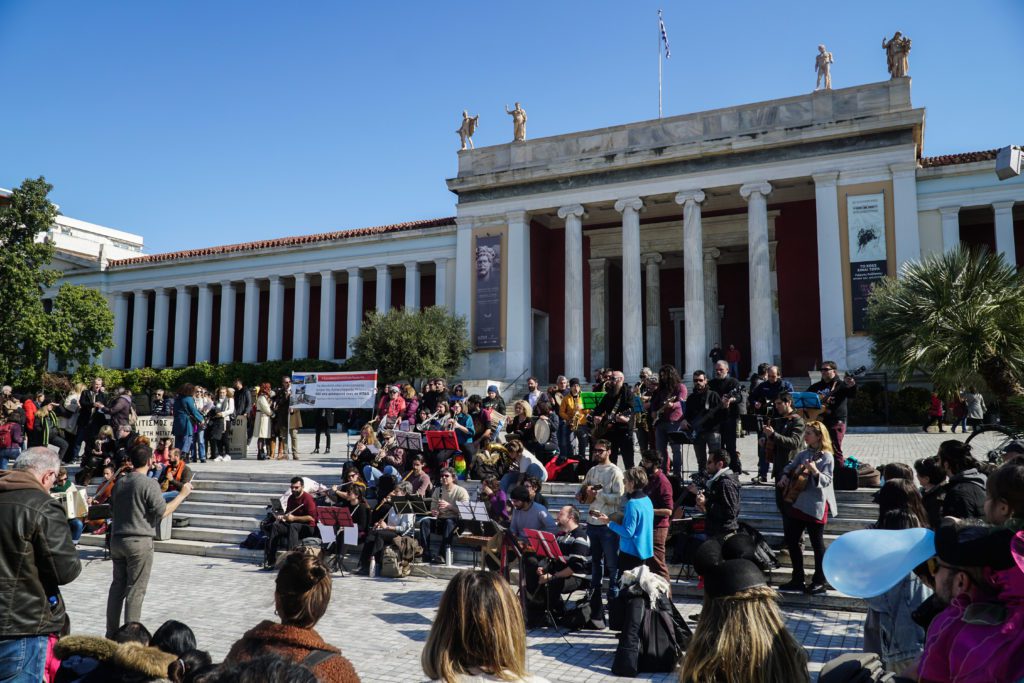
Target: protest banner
{"points": [[311, 390]]}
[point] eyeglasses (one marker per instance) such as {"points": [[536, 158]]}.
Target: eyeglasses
{"points": [[600, 450], [446, 476]]}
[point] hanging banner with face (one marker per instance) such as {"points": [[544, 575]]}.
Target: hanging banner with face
{"points": [[311, 390], [487, 302], [865, 223]]}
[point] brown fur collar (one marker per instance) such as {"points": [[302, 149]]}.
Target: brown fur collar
{"points": [[135, 657]]}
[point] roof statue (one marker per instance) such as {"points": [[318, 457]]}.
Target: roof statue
{"points": [[518, 122], [468, 127], [823, 66], [897, 50]]}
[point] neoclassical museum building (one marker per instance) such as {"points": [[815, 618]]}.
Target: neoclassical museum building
{"points": [[762, 225]]}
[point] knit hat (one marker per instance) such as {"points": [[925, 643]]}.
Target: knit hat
{"points": [[974, 545], [492, 387]]}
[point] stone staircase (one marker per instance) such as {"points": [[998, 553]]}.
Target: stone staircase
{"points": [[228, 504]]}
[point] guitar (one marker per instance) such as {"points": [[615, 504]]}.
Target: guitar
{"points": [[798, 480], [827, 399], [601, 428]]}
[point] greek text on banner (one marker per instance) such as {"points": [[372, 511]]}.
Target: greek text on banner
{"points": [[311, 390]]}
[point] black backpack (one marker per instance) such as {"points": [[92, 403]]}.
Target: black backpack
{"points": [[764, 556]]}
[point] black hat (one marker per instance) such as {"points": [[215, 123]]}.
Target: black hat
{"points": [[739, 546], [707, 557], [973, 545], [731, 577]]}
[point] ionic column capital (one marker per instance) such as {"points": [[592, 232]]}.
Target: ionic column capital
{"points": [[576, 210], [651, 259], [299, 277], [249, 281], [711, 254], [139, 292], [182, 290], [696, 196], [273, 279], [1003, 207], [382, 269], [825, 179], [763, 188], [949, 211], [633, 203], [412, 265], [597, 262]]}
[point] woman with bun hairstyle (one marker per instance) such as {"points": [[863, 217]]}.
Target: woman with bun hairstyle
{"points": [[300, 600]]}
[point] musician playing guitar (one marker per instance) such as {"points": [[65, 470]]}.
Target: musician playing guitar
{"points": [[700, 418], [834, 393], [781, 436], [811, 506], [613, 419], [762, 398], [728, 388], [667, 405]]}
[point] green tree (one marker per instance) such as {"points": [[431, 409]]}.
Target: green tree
{"points": [[79, 323], [954, 316], [405, 345]]}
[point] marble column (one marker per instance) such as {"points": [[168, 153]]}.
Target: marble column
{"points": [[204, 324], [832, 310], [383, 299], [652, 310], [119, 305], [441, 283], [1004, 230], [300, 327], [354, 312], [182, 326], [904, 194], [519, 320], [464, 273], [412, 286], [573, 216], [694, 324], [327, 293], [275, 319], [226, 345], [712, 321], [761, 347], [950, 227], [598, 312], [139, 327], [632, 320], [161, 310], [251, 321]]}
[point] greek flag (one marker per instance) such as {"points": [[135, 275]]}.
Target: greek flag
{"points": [[664, 35]]}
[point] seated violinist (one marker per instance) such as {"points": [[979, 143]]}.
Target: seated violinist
{"points": [[385, 531], [174, 476]]}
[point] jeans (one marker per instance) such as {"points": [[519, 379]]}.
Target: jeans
{"points": [[371, 474], [133, 559], [734, 369], [661, 444], [199, 446], [604, 555], [446, 527], [169, 496], [23, 660], [183, 442], [76, 526], [8, 456], [508, 481]]}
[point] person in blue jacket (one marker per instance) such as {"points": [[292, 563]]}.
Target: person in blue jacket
{"points": [[636, 530], [186, 418]]}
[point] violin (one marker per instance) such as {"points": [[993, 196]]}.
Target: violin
{"points": [[102, 494]]}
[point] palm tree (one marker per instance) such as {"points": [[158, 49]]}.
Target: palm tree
{"points": [[953, 316]]}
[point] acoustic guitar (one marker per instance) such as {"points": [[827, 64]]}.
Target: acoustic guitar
{"points": [[799, 478]]}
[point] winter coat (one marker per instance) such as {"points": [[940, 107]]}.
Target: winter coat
{"points": [[91, 659], [37, 556], [295, 644], [965, 495], [889, 630], [263, 427], [186, 416], [975, 404]]}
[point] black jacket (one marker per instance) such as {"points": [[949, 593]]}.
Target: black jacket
{"points": [[702, 410], [243, 402], [37, 556], [965, 495], [722, 505], [933, 501]]}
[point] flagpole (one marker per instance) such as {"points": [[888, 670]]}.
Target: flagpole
{"points": [[659, 65]]}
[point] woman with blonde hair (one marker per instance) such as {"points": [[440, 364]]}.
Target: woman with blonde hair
{"points": [[522, 420], [810, 510], [478, 634]]}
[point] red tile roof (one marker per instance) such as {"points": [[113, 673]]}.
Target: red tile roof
{"points": [[285, 242], [962, 158]]}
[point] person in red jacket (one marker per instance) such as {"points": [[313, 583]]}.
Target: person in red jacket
{"points": [[935, 413]]}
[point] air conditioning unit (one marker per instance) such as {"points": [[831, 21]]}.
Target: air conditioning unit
{"points": [[1008, 162]]}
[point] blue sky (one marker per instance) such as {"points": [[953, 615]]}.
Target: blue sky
{"points": [[201, 123]]}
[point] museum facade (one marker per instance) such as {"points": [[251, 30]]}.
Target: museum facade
{"points": [[762, 225]]}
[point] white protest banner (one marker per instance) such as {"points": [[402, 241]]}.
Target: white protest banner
{"points": [[312, 390], [159, 427]]}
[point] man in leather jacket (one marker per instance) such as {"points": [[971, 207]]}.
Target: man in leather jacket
{"points": [[37, 556]]}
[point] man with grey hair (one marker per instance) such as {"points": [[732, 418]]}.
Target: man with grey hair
{"points": [[37, 556]]}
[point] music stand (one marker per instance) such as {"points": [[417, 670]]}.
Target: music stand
{"points": [[442, 441], [410, 441], [337, 517], [545, 545], [475, 519], [590, 399], [411, 505], [684, 440]]}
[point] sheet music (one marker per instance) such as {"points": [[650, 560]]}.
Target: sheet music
{"points": [[351, 535], [475, 510], [327, 534]]}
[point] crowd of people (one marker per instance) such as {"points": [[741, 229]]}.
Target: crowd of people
{"points": [[403, 487]]}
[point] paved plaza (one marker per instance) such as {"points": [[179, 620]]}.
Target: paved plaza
{"points": [[381, 624]]}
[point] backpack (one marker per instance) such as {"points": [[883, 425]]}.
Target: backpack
{"points": [[391, 565], [6, 439], [256, 540], [764, 556]]}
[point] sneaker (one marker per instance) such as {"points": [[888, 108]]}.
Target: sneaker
{"points": [[225, 458], [596, 625], [792, 586], [758, 480], [815, 588], [436, 559]]}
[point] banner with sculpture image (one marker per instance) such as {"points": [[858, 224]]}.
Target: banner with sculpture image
{"points": [[488, 296], [311, 390], [869, 258]]}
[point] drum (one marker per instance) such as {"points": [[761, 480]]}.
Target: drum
{"points": [[541, 431]]}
